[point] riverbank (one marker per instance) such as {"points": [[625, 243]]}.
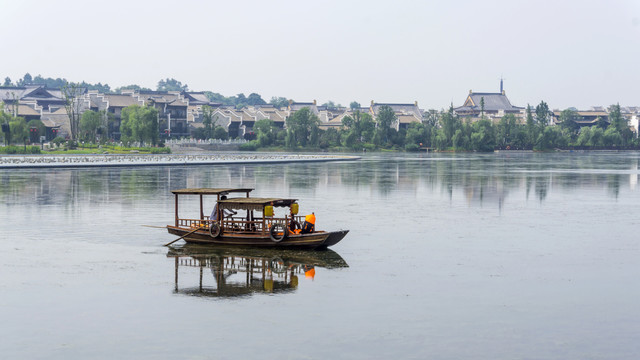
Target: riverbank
{"points": [[106, 160]]}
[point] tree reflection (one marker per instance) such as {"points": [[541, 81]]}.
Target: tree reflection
{"points": [[479, 178]]}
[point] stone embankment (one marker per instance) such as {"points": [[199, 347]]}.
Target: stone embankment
{"points": [[74, 161]]}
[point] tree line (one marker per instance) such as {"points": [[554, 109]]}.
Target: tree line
{"points": [[446, 131], [443, 130]]}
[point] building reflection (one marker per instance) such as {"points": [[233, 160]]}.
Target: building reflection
{"points": [[223, 272]]}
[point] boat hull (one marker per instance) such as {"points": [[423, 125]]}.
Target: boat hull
{"points": [[316, 240]]}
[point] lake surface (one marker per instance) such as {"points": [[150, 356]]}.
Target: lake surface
{"points": [[450, 256]]}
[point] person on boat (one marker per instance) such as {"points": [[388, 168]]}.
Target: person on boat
{"points": [[294, 227], [309, 225], [225, 212]]}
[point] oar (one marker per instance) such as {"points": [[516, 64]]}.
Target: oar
{"points": [[189, 233], [155, 227]]}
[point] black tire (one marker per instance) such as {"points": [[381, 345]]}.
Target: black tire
{"points": [[277, 232], [214, 229]]}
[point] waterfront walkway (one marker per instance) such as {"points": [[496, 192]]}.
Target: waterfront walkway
{"points": [[75, 161]]}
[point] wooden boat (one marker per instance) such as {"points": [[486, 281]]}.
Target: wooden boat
{"points": [[254, 222]]}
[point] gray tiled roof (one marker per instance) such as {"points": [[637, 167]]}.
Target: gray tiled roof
{"points": [[397, 108], [30, 92], [492, 102]]}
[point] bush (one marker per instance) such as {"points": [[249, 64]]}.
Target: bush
{"points": [[412, 147], [250, 146], [369, 146], [160, 150], [12, 149], [58, 140]]}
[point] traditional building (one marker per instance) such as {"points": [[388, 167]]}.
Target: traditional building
{"points": [[493, 106], [37, 102], [405, 113], [295, 106], [586, 118]]}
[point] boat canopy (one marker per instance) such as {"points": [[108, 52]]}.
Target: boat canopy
{"points": [[257, 204], [210, 191]]}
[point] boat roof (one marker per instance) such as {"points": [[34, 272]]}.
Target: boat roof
{"points": [[254, 203], [211, 191]]}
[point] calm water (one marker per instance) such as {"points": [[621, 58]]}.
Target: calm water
{"points": [[518, 256]]}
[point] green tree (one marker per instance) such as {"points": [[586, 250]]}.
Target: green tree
{"points": [[139, 123], [207, 120], [612, 137], [354, 105], [542, 114], [220, 133], [430, 117], [385, 119], [255, 99], [439, 139], [584, 136], [132, 87], [71, 93], [26, 80], [50, 82], [300, 126], [551, 137], [279, 102], [450, 122], [5, 119], [19, 130], [359, 124], [482, 138], [240, 101], [621, 124], [266, 132], [99, 86], [568, 118], [200, 134], [506, 130], [532, 133], [616, 119], [171, 85], [331, 105], [601, 123], [597, 137], [482, 107], [416, 134], [7, 81], [329, 138], [90, 122], [460, 140]]}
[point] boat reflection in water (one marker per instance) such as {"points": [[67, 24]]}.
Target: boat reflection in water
{"points": [[246, 271]]}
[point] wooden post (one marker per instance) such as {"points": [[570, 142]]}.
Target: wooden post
{"points": [[176, 209], [201, 210], [248, 276], [176, 273]]}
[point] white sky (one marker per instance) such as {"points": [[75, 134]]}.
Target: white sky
{"points": [[567, 53]]}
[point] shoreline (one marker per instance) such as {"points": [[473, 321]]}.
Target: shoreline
{"points": [[120, 160]]}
